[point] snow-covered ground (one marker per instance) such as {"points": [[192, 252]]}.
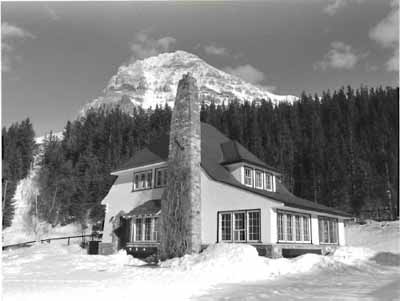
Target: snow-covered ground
{"points": [[223, 271]]}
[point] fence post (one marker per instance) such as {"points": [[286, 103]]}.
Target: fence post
{"points": [[68, 240]]}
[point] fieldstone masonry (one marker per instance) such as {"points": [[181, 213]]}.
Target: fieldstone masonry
{"points": [[181, 204]]}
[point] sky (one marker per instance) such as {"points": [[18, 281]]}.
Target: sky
{"points": [[57, 56]]}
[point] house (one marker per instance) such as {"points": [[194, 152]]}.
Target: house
{"points": [[227, 195]]}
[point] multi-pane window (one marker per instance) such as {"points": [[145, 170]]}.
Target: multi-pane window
{"points": [[268, 181], [226, 226], [240, 226], [281, 227], [139, 229], [239, 231], [254, 225], [248, 176], [161, 177], [156, 229], [293, 227], [142, 180], [258, 179], [328, 230], [145, 229], [289, 227]]}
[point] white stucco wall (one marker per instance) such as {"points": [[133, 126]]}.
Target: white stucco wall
{"points": [[217, 197], [122, 198]]}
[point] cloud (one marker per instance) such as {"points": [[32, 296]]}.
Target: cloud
{"points": [[144, 46], [335, 5], [247, 72], [11, 35], [340, 56], [386, 33], [9, 31], [215, 50], [51, 12]]}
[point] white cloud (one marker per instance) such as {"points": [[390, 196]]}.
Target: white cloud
{"points": [[144, 46], [386, 33], [247, 72], [9, 31], [51, 12], [10, 36], [340, 56], [215, 50], [335, 5]]}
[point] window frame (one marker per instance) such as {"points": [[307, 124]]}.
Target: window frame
{"points": [[321, 230], [251, 176], [271, 177], [293, 227], [140, 174], [153, 235], [164, 173], [232, 213], [261, 172]]}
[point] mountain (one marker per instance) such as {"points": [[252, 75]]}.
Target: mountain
{"points": [[153, 81]]}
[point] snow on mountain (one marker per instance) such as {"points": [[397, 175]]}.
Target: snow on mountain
{"points": [[153, 81]]}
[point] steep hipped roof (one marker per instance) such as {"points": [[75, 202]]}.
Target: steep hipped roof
{"points": [[234, 152], [217, 150]]}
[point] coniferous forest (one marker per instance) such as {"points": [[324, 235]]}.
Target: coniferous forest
{"points": [[17, 156], [339, 149]]}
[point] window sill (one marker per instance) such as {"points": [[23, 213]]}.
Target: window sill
{"points": [[141, 189], [293, 242]]}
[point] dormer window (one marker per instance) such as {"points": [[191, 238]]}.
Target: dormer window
{"points": [[258, 179], [248, 176], [161, 177], [268, 181], [142, 180]]}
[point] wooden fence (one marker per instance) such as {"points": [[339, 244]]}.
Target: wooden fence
{"points": [[93, 236]]}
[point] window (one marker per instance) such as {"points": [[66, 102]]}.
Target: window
{"points": [[239, 232], [240, 226], [328, 230], [248, 176], [293, 227], [156, 228], [147, 228], [268, 181], [258, 182], [139, 229], [254, 225], [226, 226], [143, 180], [161, 177]]}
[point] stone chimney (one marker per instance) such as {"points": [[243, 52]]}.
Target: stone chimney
{"points": [[181, 204]]}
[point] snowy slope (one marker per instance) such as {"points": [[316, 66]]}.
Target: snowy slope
{"points": [[153, 81]]}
